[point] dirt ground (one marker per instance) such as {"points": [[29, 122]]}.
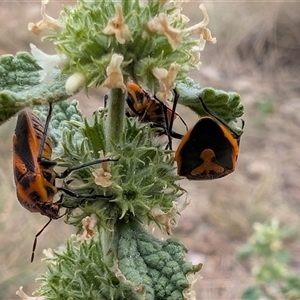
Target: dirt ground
{"points": [[257, 55]]}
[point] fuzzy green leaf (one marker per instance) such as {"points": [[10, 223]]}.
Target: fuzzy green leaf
{"points": [[158, 265], [225, 105], [20, 85], [62, 113]]}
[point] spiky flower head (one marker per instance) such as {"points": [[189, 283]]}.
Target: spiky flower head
{"points": [[141, 181], [149, 36]]}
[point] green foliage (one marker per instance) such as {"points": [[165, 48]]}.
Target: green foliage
{"points": [[143, 176], [273, 278], [20, 85], [63, 112], [139, 186], [143, 268], [81, 271], [159, 265], [90, 51], [225, 105]]}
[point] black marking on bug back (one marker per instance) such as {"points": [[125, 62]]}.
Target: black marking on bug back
{"points": [[18, 174], [35, 197], [22, 146], [140, 96], [130, 102], [158, 112], [50, 191], [25, 182], [206, 134]]}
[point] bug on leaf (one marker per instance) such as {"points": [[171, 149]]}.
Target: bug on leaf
{"points": [[209, 150]]}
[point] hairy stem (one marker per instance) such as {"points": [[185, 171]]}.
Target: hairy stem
{"points": [[115, 120]]}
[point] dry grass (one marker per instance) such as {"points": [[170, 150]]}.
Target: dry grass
{"points": [[257, 55]]}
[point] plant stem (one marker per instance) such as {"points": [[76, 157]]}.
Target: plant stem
{"points": [[115, 119]]}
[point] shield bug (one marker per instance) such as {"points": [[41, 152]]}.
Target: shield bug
{"points": [[34, 169], [148, 108], [209, 150]]}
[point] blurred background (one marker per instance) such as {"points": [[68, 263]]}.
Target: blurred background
{"points": [[258, 56]]}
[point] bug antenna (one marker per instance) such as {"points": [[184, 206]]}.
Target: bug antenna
{"points": [[167, 127], [36, 237], [66, 172]]}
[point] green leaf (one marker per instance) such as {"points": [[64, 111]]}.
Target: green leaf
{"points": [[158, 265], [225, 105], [20, 85], [63, 112], [135, 266]]}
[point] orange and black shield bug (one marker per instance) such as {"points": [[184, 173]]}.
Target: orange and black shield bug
{"points": [[34, 177], [34, 170], [209, 150], [148, 108]]}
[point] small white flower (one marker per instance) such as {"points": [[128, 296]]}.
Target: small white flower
{"points": [[22, 295], [49, 256], [167, 220], [178, 3], [47, 22], [161, 25], [103, 175], [88, 225], [74, 82], [200, 28], [47, 62], [195, 52], [189, 293], [166, 80], [48, 253], [114, 73], [117, 26]]}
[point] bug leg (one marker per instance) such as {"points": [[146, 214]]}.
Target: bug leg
{"points": [[167, 128], [82, 197], [210, 113], [169, 123], [176, 97], [86, 196], [65, 173], [176, 135]]}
